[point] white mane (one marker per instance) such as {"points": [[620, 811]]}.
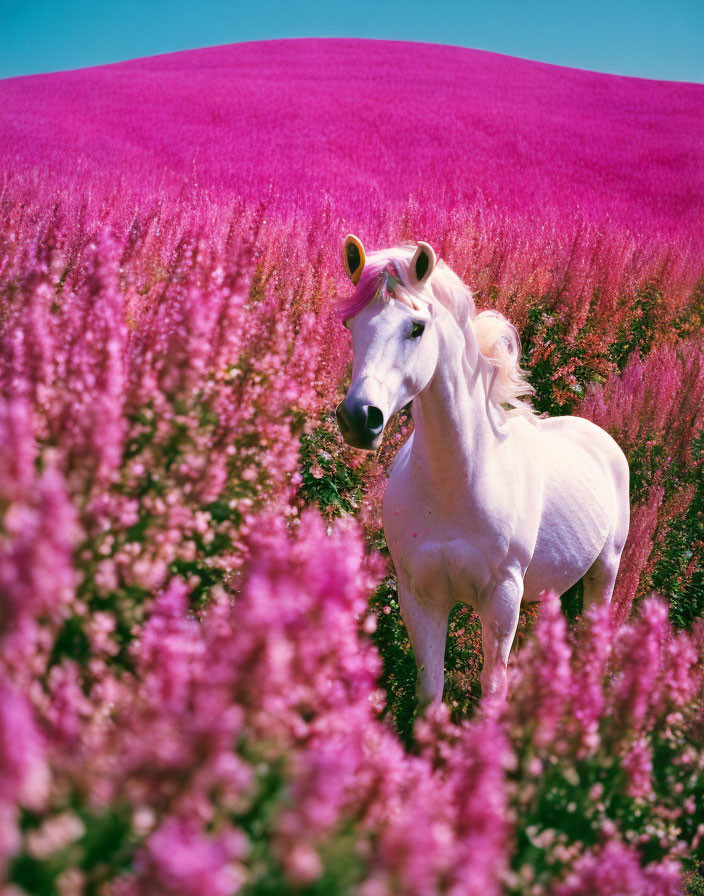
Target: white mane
{"points": [[497, 338]]}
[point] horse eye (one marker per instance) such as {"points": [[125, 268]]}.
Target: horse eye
{"points": [[417, 329]]}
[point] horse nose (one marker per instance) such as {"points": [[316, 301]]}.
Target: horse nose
{"points": [[361, 424]]}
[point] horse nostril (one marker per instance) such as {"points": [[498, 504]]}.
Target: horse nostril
{"points": [[375, 419]]}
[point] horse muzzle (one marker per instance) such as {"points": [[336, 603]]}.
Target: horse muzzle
{"points": [[361, 425]]}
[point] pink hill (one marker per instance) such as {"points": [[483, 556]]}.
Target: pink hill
{"points": [[362, 120]]}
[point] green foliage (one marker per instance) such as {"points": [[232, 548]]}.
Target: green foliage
{"points": [[564, 356], [341, 874], [399, 666], [342, 867], [106, 847], [328, 481], [561, 362], [694, 877], [463, 662], [572, 603], [71, 643], [637, 332], [565, 805], [679, 571]]}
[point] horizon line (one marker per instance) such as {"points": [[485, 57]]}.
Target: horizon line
{"points": [[348, 38]]}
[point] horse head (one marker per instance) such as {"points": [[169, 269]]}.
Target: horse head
{"points": [[393, 323]]}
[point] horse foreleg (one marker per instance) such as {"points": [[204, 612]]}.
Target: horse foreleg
{"points": [[499, 618], [427, 628]]}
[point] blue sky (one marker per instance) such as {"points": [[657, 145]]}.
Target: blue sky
{"points": [[648, 38]]}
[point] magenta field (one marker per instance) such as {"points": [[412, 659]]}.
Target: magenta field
{"points": [[205, 683]]}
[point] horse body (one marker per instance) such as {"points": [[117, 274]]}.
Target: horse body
{"points": [[481, 507], [585, 511]]}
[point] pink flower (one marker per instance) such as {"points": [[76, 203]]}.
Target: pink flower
{"points": [[179, 858], [638, 763], [616, 871]]}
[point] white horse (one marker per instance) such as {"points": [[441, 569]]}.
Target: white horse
{"points": [[487, 503]]}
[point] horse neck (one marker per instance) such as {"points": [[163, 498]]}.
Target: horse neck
{"points": [[453, 435]]}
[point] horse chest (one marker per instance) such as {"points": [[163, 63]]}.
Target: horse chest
{"points": [[438, 552], [453, 570]]}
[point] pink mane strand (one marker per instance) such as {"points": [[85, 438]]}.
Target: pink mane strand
{"points": [[366, 289], [361, 297]]}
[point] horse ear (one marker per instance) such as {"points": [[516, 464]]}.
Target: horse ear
{"points": [[423, 263], [353, 257]]}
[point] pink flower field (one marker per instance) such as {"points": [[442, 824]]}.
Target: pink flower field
{"points": [[206, 686]]}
